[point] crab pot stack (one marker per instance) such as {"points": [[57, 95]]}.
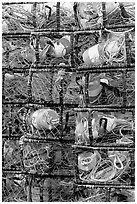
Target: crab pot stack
{"points": [[68, 90]]}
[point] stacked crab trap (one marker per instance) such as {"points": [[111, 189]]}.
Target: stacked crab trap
{"points": [[68, 91]]}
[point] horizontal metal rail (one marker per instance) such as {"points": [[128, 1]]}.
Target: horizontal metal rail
{"points": [[94, 69], [29, 2], [44, 175], [74, 106], [39, 139], [78, 31], [105, 108], [124, 148], [104, 185]]}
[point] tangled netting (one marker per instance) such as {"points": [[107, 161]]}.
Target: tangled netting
{"points": [[68, 109]]}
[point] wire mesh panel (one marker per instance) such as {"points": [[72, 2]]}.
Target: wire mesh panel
{"points": [[100, 128], [111, 167], [124, 14], [98, 49], [13, 186], [12, 155], [68, 90], [98, 194], [92, 15], [92, 194]]}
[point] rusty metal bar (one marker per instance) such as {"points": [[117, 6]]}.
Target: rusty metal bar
{"points": [[78, 69], [124, 148], [11, 3], [91, 185], [105, 108], [104, 15], [67, 31], [44, 175], [58, 15]]}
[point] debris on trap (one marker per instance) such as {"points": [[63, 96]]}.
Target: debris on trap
{"points": [[68, 101]]}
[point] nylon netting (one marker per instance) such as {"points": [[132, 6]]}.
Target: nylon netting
{"points": [[85, 152]]}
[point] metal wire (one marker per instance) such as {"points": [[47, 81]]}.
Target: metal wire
{"points": [[74, 68]]}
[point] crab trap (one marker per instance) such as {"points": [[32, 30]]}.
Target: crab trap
{"points": [[68, 101]]}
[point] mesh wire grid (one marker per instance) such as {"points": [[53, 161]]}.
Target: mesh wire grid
{"points": [[41, 165]]}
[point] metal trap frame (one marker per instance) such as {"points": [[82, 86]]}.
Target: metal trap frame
{"points": [[42, 183]]}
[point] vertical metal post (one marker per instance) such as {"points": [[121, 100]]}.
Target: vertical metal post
{"points": [[104, 14], [128, 49], [37, 50], [61, 108], [108, 191], [3, 143], [74, 192], [34, 14], [58, 16], [133, 133], [41, 189], [124, 76], [76, 175], [75, 14], [11, 120], [36, 54], [37, 35], [3, 82], [75, 47], [51, 86], [29, 85], [72, 50], [128, 61], [29, 195], [3, 164], [90, 128], [50, 190], [50, 164], [86, 89], [132, 166]]}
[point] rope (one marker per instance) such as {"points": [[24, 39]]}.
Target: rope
{"points": [[115, 171], [109, 168]]}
